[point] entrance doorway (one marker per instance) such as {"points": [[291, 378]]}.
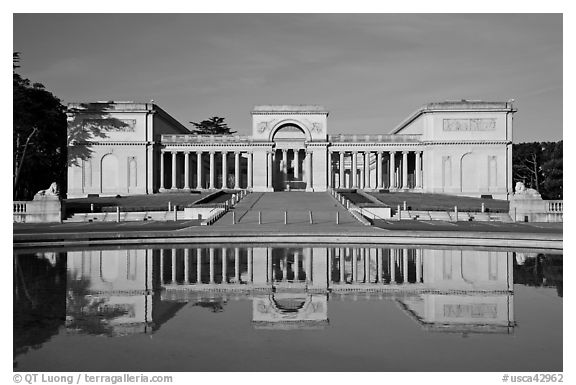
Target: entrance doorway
{"points": [[289, 159]]}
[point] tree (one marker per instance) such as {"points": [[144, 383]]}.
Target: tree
{"points": [[39, 137], [213, 126], [539, 165], [87, 123]]}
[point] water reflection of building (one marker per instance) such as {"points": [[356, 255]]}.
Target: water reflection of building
{"points": [[462, 290]]}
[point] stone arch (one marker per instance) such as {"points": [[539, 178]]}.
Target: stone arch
{"points": [[109, 174], [287, 123], [468, 173]]}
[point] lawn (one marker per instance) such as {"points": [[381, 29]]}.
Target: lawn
{"points": [[440, 202], [153, 202]]}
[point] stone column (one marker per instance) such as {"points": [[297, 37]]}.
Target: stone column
{"points": [[418, 170], [285, 269], [270, 264], [211, 256], [342, 265], [418, 265], [162, 188], [330, 258], [405, 265], [354, 265], [330, 184], [296, 164], [186, 266], [173, 187], [392, 169], [198, 265], [236, 170], [366, 169], [296, 266], [224, 170], [236, 265], [187, 170], [269, 170], [224, 265], [199, 170], [173, 279], [366, 254], [250, 261], [341, 169], [285, 166], [378, 265], [392, 265], [211, 187], [249, 181], [308, 171], [161, 266], [309, 266], [354, 169], [404, 169], [379, 172]]}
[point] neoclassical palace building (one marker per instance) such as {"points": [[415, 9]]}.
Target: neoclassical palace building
{"points": [[454, 147]]}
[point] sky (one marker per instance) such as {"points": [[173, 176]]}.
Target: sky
{"points": [[369, 70]]}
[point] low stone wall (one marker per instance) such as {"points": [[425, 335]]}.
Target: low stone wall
{"points": [[536, 210], [37, 211]]}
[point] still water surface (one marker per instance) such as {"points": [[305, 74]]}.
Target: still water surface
{"points": [[288, 308]]}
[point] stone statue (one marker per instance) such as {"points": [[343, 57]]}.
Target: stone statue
{"points": [[50, 192], [520, 191]]}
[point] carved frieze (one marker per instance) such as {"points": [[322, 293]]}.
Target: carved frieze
{"points": [[265, 126], [118, 125], [469, 124]]}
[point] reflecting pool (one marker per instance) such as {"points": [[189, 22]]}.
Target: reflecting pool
{"points": [[287, 308]]}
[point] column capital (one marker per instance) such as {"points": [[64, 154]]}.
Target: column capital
{"points": [[237, 152], [405, 152], [198, 152]]}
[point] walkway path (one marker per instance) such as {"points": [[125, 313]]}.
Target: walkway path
{"points": [[296, 204]]}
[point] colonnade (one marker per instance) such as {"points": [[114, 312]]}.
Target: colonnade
{"points": [[397, 173], [301, 162], [199, 181], [345, 265], [291, 168], [188, 266]]}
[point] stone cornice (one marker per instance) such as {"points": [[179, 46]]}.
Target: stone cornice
{"points": [[464, 142], [289, 112], [116, 142]]}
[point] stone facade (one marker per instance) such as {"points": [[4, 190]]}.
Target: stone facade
{"points": [[461, 148]]}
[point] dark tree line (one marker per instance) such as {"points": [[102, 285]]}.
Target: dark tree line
{"points": [[539, 166], [39, 137], [213, 126]]}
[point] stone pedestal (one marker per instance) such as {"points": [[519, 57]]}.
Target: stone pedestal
{"points": [[42, 209]]}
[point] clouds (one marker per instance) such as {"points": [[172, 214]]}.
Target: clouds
{"points": [[370, 70]]}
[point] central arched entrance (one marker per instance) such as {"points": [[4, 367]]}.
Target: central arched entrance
{"points": [[288, 171]]}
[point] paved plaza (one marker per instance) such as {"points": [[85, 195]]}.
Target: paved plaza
{"points": [[296, 205]]}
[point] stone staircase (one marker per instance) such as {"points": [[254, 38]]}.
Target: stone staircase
{"points": [[449, 216], [124, 216]]}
